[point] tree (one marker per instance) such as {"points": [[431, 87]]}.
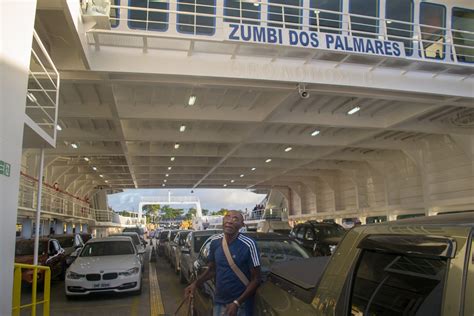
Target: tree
{"points": [[205, 212], [190, 214], [221, 212], [151, 212], [171, 213]]}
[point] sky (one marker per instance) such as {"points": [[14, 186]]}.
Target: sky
{"points": [[211, 199]]}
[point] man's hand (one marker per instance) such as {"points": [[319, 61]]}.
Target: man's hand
{"points": [[189, 291], [231, 309]]}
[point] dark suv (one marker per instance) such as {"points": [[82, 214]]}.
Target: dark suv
{"points": [[320, 239]]}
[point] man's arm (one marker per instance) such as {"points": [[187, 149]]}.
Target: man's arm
{"points": [[209, 274], [252, 286]]}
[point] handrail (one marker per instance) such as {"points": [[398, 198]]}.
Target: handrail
{"points": [[62, 203], [18, 277], [432, 42]]}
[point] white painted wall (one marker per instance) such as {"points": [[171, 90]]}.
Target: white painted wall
{"points": [[16, 25]]}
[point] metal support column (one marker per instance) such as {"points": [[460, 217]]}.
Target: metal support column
{"points": [[38, 208]]}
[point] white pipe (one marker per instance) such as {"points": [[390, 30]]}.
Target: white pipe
{"points": [[38, 208]]}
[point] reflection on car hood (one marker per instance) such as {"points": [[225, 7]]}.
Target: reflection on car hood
{"points": [[305, 273], [105, 263]]}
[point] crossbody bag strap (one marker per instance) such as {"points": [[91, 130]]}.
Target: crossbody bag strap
{"points": [[232, 264]]}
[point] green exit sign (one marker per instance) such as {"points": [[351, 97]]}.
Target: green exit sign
{"points": [[5, 168]]}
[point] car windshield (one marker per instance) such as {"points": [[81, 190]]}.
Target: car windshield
{"points": [[330, 231], [135, 238], [137, 230], [108, 248], [199, 241], [27, 248], [182, 237], [272, 251], [172, 235], [164, 235], [66, 242]]}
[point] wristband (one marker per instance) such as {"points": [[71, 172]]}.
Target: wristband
{"points": [[236, 303]]}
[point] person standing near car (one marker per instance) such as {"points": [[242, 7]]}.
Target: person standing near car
{"points": [[235, 263]]}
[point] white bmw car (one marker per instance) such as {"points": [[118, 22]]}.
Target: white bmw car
{"points": [[109, 264]]}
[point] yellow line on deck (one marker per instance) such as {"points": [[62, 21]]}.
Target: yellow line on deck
{"points": [[156, 303]]}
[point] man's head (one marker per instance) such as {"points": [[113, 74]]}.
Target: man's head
{"points": [[232, 222]]}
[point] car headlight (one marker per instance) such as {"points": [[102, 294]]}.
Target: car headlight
{"points": [[130, 272], [332, 248], [75, 276]]}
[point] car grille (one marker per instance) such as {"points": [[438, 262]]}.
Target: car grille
{"points": [[110, 276], [93, 277]]}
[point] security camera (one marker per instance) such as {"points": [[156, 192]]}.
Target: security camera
{"points": [[302, 91]]}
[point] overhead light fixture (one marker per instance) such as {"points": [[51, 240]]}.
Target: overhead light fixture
{"points": [[86, 159], [256, 4], [224, 185], [106, 181], [165, 180], [172, 158], [389, 21], [101, 175], [192, 100], [268, 160], [287, 149], [182, 128], [354, 110], [232, 181], [253, 169], [169, 168], [58, 127], [176, 146], [317, 11], [94, 168], [163, 185], [167, 175], [31, 97], [74, 145], [315, 132], [242, 175]]}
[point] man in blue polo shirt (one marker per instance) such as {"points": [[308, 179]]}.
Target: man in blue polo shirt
{"points": [[234, 293]]}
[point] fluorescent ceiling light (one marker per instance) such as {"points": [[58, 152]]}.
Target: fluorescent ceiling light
{"points": [[31, 97], [86, 159], [389, 22], [315, 133], [256, 4], [241, 175], [169, 168], [74, 145], [94, 168], [232, 181], [59, 128], [224, 185], [163, 185], [354, 110], [268, 160], [192, 100], [172, 158], [167, 175], [287, 149], [101, 175], [176, 146], [106, 181], [182, 128], [165, 180], [253, 169]]}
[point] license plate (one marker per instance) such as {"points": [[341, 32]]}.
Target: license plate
{"points": [[101, 285]]}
